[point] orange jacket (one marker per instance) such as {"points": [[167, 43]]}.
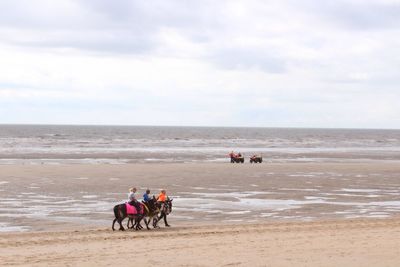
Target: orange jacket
{"points": [[162, 197]]}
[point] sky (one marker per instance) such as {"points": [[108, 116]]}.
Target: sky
{"points": [[290, 63]]}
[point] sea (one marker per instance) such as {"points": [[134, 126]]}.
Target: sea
{"points": [[54, 144]]}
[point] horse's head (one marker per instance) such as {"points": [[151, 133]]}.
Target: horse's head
{"points": [[168, 206], [152, 204]]}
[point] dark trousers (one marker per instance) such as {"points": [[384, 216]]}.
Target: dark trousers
{"points": [[136, 204]]}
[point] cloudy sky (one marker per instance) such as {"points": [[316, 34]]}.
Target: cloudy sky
{"points": [[260, 63]]}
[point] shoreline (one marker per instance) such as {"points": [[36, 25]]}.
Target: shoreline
{"points": [[179, 225]]}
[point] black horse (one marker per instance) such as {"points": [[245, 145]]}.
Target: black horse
{"points": [[166, 208], [121, 213], [152, 208]]}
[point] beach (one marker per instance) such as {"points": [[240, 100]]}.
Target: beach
{"points": [[370, 242], [298, 214]]}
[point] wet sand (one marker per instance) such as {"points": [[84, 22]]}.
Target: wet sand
{"points": [[55, 197], [368, 242]]}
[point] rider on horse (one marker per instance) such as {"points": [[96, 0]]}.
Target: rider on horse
{"points": [[132, 199], [162, 197], [146, 196]]}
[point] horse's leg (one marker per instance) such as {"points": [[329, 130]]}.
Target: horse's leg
{"points": [[147, 222], [159, 218], [128, 224], [155, 220], [138, 226], [120, 215], [113, 224], [134, 222], [165, 221], [117, 214], [121, 228]]}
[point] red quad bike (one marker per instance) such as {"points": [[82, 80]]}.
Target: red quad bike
{"points": [[236, 158], [256, 159]]}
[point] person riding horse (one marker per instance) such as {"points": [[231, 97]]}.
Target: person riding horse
{"points": [[162, 197], [150, 210], [132, 199], [161, 205], [146, 196], [165, 204]]}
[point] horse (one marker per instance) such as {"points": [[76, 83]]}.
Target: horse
{"points": [[151, 209], [166, 208], [121, 213]]}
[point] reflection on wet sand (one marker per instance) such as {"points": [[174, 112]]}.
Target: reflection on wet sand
{"points": [[45, 197]]}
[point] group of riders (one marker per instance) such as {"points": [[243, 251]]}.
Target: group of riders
{"points": [[132, 200], [154, 208]]}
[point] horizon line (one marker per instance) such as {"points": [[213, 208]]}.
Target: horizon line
{"points": [[193, 126]]}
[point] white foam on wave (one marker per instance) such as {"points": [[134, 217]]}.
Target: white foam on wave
{"points": [[240, 212], [358, 190], [386, 203], [301, 175], [267, 214], [299, 189], [197, 188], [183, 217], [354, 216], [90, 196], [229, 194], [317, 198]]}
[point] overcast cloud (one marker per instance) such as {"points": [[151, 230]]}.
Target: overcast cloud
{"points": [[220, 63]]}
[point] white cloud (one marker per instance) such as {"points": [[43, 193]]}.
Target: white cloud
{"points": [[258, 63]]}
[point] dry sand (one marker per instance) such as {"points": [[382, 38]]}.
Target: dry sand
{"points": [[331, 243]]}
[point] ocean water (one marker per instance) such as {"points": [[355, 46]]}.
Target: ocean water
{"points": [[51, 144]]}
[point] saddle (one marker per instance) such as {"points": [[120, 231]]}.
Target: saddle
{"points": [[131, 210]]}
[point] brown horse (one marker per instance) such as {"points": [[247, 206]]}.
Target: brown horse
{"points": [[166, 209], [152, 208], [121, 213]]}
